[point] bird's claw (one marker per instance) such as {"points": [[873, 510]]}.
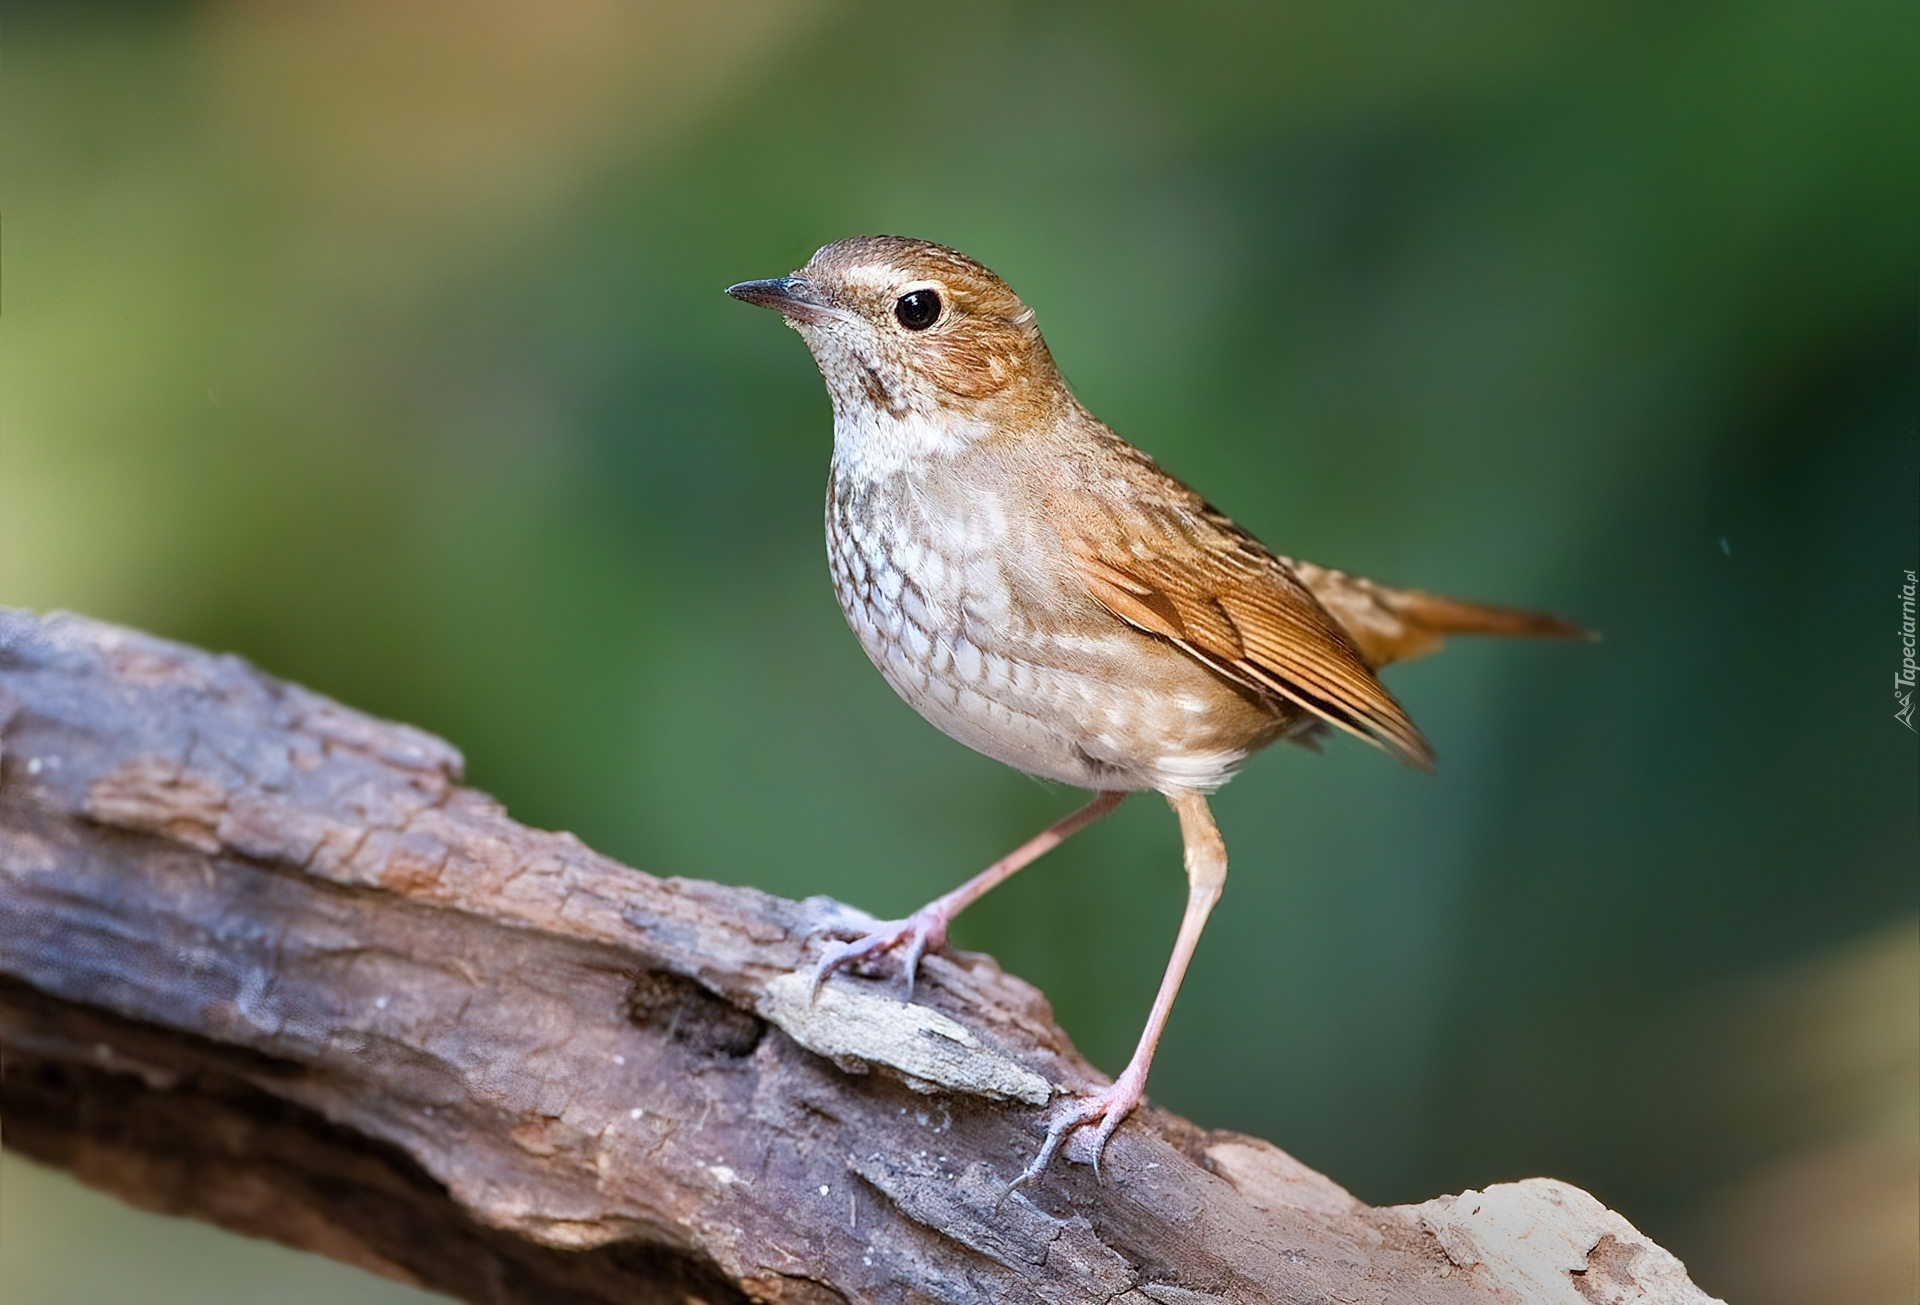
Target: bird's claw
{"points": [[918, 932], [1110, 1107]]}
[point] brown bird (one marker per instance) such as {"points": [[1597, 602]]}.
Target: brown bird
{"points": [[1042, 591]]}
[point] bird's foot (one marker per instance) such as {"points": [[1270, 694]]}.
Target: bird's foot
{"points": [[1105, 1109], [923, 929]]}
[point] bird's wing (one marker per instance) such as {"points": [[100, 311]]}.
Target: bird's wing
{"points": [[1167, 563], [1393, 625]]}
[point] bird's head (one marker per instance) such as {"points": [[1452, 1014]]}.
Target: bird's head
{"points": [[906, 327]]}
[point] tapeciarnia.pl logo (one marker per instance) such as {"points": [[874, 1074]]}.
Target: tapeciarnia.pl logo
{"points": [[1903, 678]]}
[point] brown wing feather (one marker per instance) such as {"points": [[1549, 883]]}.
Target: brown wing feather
{"points": [[1176, 568]]}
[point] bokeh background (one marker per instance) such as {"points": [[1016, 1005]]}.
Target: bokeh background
{"points": [[383, 343]]}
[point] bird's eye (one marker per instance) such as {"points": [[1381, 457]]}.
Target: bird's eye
{"points": [[917, 309]]}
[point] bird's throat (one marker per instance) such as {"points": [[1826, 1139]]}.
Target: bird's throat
{"points": [[872, 443]]}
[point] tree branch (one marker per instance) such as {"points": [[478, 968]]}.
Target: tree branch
{"points": [[265, 962]]}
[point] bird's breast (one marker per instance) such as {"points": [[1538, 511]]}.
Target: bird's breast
{"points": [[923, 584], [961, 596]]}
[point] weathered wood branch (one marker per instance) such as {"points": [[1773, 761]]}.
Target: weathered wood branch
{"points": [[265, 962]]}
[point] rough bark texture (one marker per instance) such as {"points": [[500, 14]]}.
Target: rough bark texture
{"points": [[264, 961]]}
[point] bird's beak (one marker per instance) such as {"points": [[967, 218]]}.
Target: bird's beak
{"points": [[792, 296]]}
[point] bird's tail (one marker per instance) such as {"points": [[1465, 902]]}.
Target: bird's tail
{"points": [[1393, 625]]}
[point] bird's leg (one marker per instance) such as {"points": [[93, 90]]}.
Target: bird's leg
{"points": [[927, 927], [1206, 859]]}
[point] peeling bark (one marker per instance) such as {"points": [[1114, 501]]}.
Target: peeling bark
{"points": [[264, 961]]}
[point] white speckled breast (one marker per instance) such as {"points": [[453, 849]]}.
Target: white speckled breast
{"points": [[928, 586]]}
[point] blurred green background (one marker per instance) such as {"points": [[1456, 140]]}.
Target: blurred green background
{"points": [[384, 344]]}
